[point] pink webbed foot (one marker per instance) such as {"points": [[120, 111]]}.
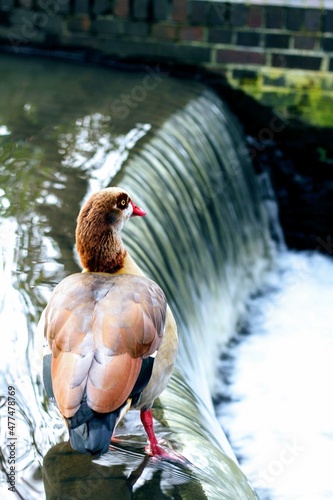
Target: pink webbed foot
{"points": [[115, 440], [154, 448]]}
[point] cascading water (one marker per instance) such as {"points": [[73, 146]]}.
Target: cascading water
{"points": [[200, 240], [205, 240]]}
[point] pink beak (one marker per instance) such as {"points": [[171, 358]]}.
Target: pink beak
{"points": [[137, 210]]}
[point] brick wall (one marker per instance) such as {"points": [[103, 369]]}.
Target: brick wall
{"points": [[256, 46]]}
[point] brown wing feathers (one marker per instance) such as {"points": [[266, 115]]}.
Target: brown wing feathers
{"points": [[99, 328]]}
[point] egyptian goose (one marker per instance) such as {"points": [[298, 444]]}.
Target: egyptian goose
{"points": [[111, 338]]}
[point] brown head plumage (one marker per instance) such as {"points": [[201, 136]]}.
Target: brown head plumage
{"points": [[99, 223]]}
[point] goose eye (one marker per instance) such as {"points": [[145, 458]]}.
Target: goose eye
{"points": [[122, 202]]}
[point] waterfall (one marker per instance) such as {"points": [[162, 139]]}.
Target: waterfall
{"points": [[205, 240]]}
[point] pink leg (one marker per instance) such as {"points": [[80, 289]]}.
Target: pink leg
{"points": [[148, 424], [155, 449]]}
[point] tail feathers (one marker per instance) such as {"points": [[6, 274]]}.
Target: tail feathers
{"points": [[83, 414], [90, 432]]}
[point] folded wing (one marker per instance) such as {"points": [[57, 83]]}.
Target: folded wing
{"points": [[99, 328]]}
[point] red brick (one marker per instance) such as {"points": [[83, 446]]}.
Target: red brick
{"points": [[101, 7], [218, 35], [179, 10], [81, 7], [276, 40], [312, 19], [140, 9], [327, 44], [160, 9], [27, 4], [136, 28], [248, 38], [192, 33], [275, 17], [305, 42], [109, 26], [328, 23], [295, 18], [255, 16], [296, 61], [164, 31], [218, 14], [240, 56], [121, 8], [198, 11], [238, 14], [79, 23]]}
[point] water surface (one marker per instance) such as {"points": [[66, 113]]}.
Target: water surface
{"points": [[68, 129]]}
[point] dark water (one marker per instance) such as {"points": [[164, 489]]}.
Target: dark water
{"points": [[66, 130]]}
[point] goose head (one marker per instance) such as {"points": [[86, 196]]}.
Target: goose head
{"points": [[99, 224]]}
